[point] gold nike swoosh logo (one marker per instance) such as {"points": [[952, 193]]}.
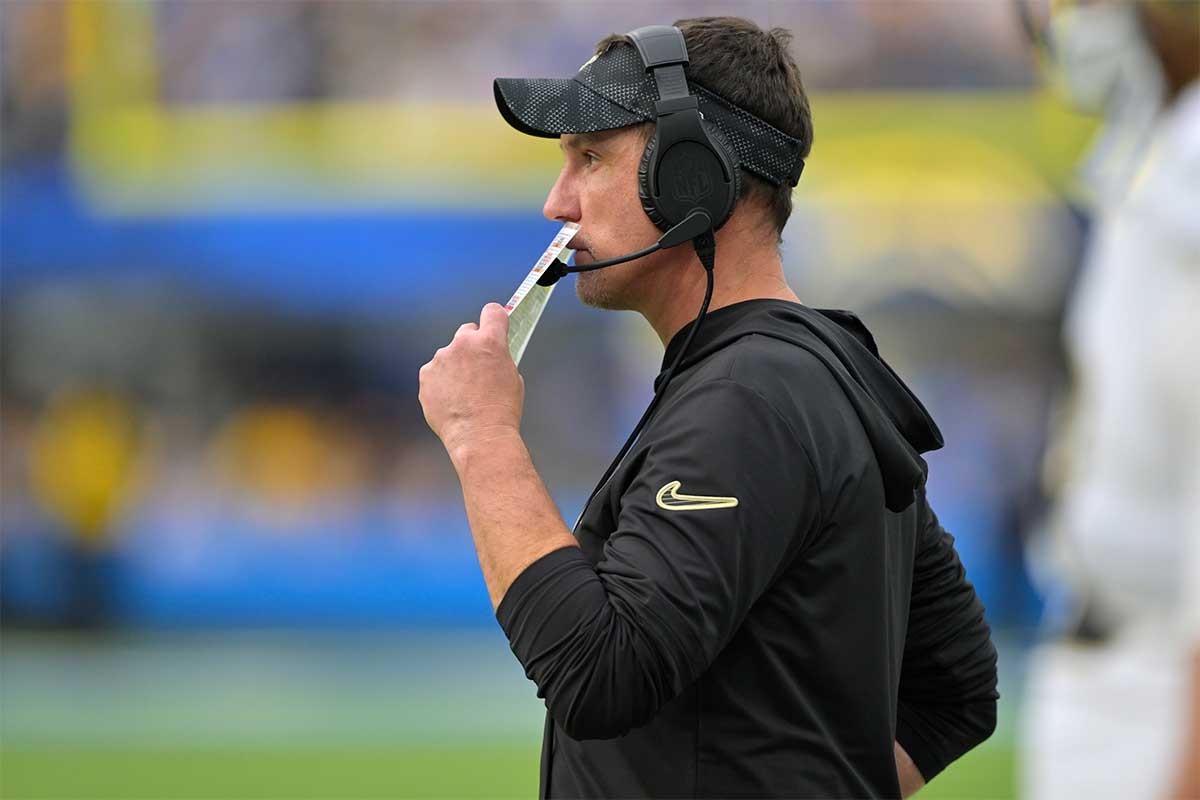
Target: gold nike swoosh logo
{"points": [[669, 498]]}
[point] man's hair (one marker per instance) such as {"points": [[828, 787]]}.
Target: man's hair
{"points": [[753, 69]]}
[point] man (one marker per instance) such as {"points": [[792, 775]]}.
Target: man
{"points": [[759, 601], [1113, 702]]}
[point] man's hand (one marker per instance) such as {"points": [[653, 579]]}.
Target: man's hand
{"points": [[910, 777], [471, 391], [472, 395]]}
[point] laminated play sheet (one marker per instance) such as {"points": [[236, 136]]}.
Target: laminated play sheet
{"points": [[529, 300]]}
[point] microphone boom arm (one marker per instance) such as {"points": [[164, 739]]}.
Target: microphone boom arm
{"points": [[695, 224]]}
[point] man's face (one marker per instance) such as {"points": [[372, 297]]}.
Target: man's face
{"points": [[597, 188]]}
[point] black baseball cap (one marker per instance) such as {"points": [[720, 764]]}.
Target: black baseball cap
{"points": [[614, 90]]}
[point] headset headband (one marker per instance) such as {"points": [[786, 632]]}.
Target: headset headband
{"points": [[664, 52]]}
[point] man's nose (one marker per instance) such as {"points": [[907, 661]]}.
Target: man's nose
{"points": [[562, 204]]}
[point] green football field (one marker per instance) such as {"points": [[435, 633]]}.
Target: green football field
{"points": [[272, 716], [482, 770]]}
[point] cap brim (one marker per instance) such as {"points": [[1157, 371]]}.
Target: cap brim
{"points": [[550, 107]]}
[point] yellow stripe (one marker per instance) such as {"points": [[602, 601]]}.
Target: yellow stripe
{"points": [[138, 157]]}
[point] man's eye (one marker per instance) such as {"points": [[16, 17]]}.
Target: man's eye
{"points": [[590, 157]]}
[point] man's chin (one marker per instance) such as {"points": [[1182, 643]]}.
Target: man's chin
{"points": [[596, 290]]}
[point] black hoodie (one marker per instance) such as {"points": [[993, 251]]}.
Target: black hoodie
{"points": [[762, 600]]}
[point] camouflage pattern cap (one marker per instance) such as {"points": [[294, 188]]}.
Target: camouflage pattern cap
{"points": [[614, 90]]}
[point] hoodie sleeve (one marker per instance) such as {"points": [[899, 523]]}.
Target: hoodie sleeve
{"points": [[708, 522], [947, 698]]}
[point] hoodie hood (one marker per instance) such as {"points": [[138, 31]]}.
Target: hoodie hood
{"points": [[896, 423]]}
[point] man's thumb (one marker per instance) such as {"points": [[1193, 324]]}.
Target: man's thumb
{"points": [[494, 320]]}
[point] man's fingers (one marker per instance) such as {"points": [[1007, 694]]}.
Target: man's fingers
{"points": [[466, 326], [494, 320]]}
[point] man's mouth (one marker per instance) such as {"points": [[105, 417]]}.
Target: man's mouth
{"points": [[581, 247]]}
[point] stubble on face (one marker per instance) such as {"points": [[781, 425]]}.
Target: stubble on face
{"points": [[599, 290], [623, 287]]}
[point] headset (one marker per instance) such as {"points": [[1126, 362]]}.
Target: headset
{"points": [[688, 163], [688, 179]]}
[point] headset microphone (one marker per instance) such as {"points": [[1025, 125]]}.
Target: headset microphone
{"points": [[694, 225]]}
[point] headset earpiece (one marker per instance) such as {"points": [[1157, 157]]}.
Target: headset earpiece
{"points": [[648, 203], [724, 148], [694, 176], [688, 163]]}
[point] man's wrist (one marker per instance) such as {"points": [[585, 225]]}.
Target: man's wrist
{"points": [[467, 449]]}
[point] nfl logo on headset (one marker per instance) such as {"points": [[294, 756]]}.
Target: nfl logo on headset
{"points": [[691, 184]]}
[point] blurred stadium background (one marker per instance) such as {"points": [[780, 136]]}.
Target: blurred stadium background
{"points": [[233, 560]]}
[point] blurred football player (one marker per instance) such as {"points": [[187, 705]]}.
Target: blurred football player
{"points": [[1113, 701]]}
